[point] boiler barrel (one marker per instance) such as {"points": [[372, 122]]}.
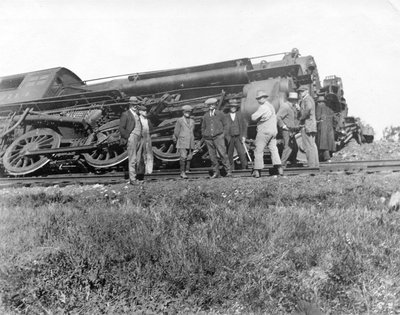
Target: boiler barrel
{"points": [[210, 78]]}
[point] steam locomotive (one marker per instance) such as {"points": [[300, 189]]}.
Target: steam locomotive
{"points": [[51, 120]]}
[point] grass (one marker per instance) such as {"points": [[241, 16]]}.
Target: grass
{"points": [[272, 246]]}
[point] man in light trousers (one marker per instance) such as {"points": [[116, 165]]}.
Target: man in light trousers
{"points": [[266, 134], [309, 123]]}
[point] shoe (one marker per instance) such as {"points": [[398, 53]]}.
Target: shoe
{"points": [[134, 182], [256, 173], [228, 174], [183, 175], [215, 175]]}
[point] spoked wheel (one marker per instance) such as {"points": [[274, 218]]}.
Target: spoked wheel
{"points": [[106, 156], [14, 159], [167, 151]]}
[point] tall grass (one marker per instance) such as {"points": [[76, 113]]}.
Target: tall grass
{"points": [[227, 246]]}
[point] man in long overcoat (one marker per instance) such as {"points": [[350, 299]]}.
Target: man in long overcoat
{"points": [[184, 137], [325, 129]]}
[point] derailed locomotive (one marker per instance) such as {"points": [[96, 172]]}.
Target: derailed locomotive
{"points": [[52, 120]]}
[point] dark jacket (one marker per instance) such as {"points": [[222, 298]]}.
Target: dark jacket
{"points": [[238, 127], [307, 114], [126, 124], [212, 126], [286, 115]]}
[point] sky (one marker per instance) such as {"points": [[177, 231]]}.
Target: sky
{"points": [[356, 40]]}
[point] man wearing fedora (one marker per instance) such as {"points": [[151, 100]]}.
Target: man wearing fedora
{"points": [[309, 124], [184, 138], [132, 131], [212, 130], [286, 117], [266, 134], [236, 132]]}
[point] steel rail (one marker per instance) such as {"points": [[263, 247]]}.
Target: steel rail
{"points": [[343, 167]]}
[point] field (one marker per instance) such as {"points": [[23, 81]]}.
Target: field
{"points": [[226, 246]]}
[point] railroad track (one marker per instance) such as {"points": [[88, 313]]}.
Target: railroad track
{"points": [[347, 167]]}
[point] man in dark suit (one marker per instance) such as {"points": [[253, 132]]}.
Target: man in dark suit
{"points": [[212, 130], [236, 132], [130, 129]]}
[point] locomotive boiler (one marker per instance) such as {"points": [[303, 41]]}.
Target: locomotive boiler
{"points": [[51, 120]]}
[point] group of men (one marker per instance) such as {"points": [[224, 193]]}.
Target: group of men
{"points": [[225, 132]]}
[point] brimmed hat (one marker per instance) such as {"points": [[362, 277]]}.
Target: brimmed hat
{"points": [[261, 94], [187, 108], [134, 100], [293, 96], [211, 101], [234, 102], [303, 88]]}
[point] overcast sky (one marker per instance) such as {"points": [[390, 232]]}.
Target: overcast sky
{"points": [[357, 40]]}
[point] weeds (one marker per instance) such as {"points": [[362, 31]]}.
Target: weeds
{"points": [[185, 247]]}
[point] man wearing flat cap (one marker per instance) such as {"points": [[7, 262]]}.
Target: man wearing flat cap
{"points": [[309, 123], [131, 130], [236, 132], [212, 130], [184, 138], [266, 134]]}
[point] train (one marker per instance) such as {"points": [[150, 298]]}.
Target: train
{"points": [[53, 121]]}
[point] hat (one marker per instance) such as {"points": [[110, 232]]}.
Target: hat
{"points": [[303, 88], [261, 94], [141, 107], [293, 96], [321, 99], [211, 101], [234, 102], [187, 108], [134, 100]]}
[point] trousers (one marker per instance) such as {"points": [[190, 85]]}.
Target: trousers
{"points": [[133, 146], [310, 148], [235, 142], [214, 145], [265, 140]]}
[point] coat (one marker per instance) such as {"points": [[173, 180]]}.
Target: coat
{"points": [[212, 126], [325, 129], [307, 114], [242, 125], [286, 115], [184, 133], [126, 124], [266, 119]]}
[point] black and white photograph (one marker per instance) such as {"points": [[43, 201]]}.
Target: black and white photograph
{"points": [[199, 157]]}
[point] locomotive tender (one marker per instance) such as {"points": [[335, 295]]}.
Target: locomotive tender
{"points": [[52, 120]]}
